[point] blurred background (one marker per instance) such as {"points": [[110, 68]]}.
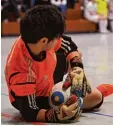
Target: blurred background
{"points": [[73, 10]]}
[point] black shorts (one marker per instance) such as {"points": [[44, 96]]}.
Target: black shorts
{"points": [[61, 67]]}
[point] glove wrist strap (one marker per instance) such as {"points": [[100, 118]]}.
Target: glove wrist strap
{"points": [[76, 62], [51, 116]]}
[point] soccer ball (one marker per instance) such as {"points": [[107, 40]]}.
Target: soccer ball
{"points": [[58, 96]]}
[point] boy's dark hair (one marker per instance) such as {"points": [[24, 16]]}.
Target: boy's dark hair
{"points": [[42, 21]]}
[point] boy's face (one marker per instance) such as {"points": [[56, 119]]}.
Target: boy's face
{"points": [[51, 44], [44, 45]]}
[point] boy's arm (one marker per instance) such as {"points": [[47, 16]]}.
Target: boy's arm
{"points": [[31, 113], [23, 89], [70, 49], [29, 109], [78, 81]]}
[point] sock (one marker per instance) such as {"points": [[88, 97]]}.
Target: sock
{"points": [[101, 27], [105, 23]]}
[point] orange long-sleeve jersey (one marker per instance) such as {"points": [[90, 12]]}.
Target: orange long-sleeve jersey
{"points": [[26, 76], [31, 78]]}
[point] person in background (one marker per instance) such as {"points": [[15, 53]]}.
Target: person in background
{"points": [[71, 3], [61, 5], [26, 4], [10, 11], [110, 15], [90, 13], [102, 9]]}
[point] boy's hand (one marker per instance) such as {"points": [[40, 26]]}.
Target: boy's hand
{"points": [[79, 83], [66, 112]]}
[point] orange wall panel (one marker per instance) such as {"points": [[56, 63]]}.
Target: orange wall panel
{"points": [[10, 28]]}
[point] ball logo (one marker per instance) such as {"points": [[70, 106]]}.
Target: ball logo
{"points": [[57, 98]]}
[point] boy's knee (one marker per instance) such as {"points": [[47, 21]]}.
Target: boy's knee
{"points": [[93, 101], [99, 99], [98, 96]]}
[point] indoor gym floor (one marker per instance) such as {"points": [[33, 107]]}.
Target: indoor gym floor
{"points": [[97, 52]]}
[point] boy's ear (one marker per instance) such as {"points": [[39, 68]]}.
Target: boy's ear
{"points": [[44, 40]]}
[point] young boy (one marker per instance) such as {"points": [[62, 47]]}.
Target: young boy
{"points": [[102, 9], [31, 63]]}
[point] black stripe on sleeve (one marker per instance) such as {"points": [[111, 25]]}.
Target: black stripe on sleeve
{"points": [[25, 83], [68, 45], [13, 75]]}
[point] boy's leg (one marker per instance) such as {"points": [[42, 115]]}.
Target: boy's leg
{"points": [[106, 24], [111, 25], [93, 100], [103, 25]]}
